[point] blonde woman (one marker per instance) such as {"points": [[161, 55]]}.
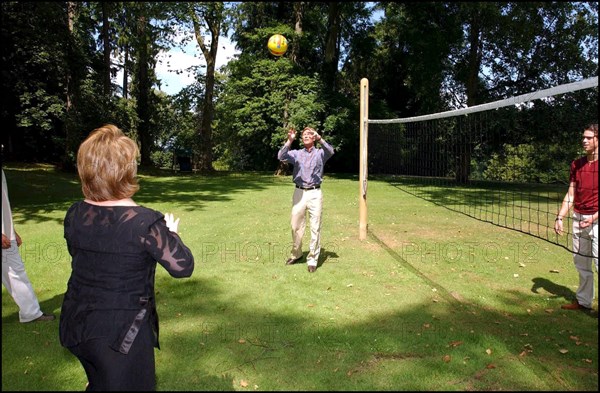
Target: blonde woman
{"points": [[108, 318]]}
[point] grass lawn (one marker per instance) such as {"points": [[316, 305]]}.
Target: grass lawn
{"points": [[431, 300]]}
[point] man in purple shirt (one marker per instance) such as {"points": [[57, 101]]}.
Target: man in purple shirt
{"points": [[307, 175]]}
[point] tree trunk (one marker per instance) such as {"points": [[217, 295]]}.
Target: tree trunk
{"points": [[106, 50], [283, 169], [213, 17], [299, 15], [68, 161], [331, 47], [143, 101], [463, 155], [126, 72]]}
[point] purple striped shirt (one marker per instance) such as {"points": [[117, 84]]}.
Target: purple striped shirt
{"points": [[308, 164]]}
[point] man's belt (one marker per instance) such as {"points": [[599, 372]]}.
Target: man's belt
{"points": [[309, 188]]}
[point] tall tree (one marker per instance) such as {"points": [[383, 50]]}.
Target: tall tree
{"points": [[515, 48], [207, 18], [106, 48], [332, 42]]}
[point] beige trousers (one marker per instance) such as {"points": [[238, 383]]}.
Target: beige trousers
{"points": [[585, 257], [304, 201], [17, 284]]}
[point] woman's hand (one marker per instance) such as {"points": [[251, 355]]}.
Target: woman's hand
{"points": [[172, 224]]}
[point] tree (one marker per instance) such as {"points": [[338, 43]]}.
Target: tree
{"points": [[515, 48], [207, 17]]}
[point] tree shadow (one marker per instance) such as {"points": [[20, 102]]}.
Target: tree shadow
{"points": [[215, 339], [218, 327], [49, 306], [61, 189]]}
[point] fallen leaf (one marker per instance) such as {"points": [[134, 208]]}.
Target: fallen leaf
{"points": [[243, 383], [522, 354], [490, 366], [554, 271], [447, 358], [488, 351], [454, 344], [515, 275], [242, 341], [549, 310], [426, 325], [562, 350], [587, 360]]}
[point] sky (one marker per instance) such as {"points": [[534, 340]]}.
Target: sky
{"points": [[176, 59]]}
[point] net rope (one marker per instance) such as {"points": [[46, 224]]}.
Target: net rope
{"points": [[483, 161]]}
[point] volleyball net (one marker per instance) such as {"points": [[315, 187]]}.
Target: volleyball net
{"points": [[505, 162]]}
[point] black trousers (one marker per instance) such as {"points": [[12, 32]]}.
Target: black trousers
{"points": [[109, 370]]}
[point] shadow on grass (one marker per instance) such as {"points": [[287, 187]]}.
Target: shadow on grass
{"points": [[209, 339], [61, 189], [325, 257], [212, 339], [522, 207], [557, 291]]}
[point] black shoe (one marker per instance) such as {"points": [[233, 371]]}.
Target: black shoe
{"points": [[312, 269], [44, 317], [291, 261]]}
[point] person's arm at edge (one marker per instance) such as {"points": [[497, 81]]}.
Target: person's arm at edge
{"points": [[564, 208]]}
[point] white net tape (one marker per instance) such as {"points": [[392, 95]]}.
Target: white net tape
{"points": [[566, 88]]}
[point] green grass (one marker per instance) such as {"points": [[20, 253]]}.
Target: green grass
{"points": [[431, 300]]}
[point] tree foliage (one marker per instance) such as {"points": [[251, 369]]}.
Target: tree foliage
{"points": [[60, 61]]}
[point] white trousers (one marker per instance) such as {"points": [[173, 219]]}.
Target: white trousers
{"points": [[585, 254], [16, 282], [304, 201]]}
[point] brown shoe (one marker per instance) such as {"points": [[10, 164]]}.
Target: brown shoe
{"points": [[312, 269], [44, 317], [291, 261], [574, 306]]}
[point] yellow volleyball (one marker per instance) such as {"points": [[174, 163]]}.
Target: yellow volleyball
{"points": [[277, 45]]}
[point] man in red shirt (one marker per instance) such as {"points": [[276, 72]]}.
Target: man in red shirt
{"points": [[583, 196]]}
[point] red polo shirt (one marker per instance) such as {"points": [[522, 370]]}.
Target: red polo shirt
{"points": [[585, 176]]}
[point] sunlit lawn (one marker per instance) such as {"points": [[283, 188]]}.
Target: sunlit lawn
{"points": [[431, 300]]}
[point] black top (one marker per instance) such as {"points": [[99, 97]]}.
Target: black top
{"points": [[114, 252]]}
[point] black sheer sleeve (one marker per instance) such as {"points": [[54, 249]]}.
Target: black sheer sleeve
{"points": [[168, 249], [67, 227]]}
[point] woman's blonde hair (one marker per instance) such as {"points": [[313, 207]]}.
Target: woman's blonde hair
{"points": [[107, 165]]}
